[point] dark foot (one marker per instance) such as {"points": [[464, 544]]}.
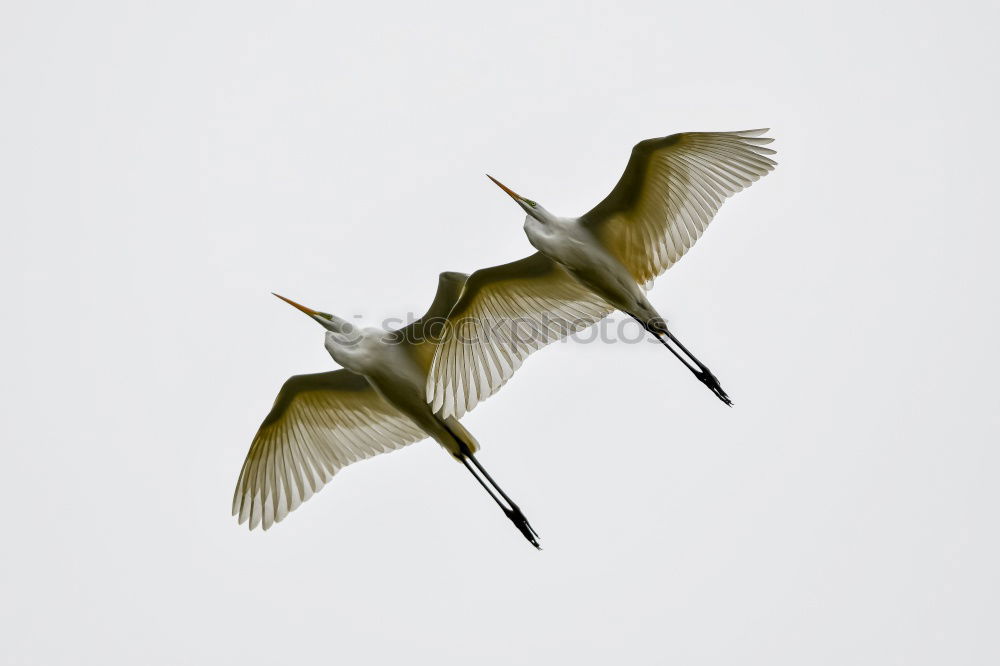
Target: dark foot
{"points": [[706, 377], [522, 524]]}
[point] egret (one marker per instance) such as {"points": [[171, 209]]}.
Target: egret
{"points": [[586, 267], [322, 422]]}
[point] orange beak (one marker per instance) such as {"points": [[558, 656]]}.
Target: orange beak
{"points": [[513, 195], [308, 311]]}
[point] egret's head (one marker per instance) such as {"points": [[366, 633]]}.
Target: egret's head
{"points": [[532, 208], [347, 344]]}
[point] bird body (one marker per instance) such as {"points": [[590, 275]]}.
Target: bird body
{"points": [[574, 247], [394, 372]]}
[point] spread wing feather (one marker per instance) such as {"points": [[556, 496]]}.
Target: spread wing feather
{"points": [[318, 425], [504, 314], [671, 189]]}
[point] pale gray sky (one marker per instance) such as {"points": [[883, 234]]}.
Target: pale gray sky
{"points": [[166, 167]]}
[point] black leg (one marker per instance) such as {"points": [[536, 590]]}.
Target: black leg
{"points": [[703, 374], [513, 512], [697, 368]]}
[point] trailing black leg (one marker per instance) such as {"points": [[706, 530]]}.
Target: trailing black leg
{"points": [[690, 361], [510, 509], [506, 504]]}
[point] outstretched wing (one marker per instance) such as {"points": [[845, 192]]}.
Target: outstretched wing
{"points": [[319, 424], [671, 189], [504, 314]]}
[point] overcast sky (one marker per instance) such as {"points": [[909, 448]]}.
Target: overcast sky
{"points": [[165, 167]]}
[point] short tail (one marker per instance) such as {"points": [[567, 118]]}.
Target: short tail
{"points": [[466, 443]]}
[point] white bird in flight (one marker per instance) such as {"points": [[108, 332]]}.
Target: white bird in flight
{"points": [[586, 267], [322, 422]]}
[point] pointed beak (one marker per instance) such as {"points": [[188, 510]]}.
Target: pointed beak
{"points": [[308, 311], [513, 195]]}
